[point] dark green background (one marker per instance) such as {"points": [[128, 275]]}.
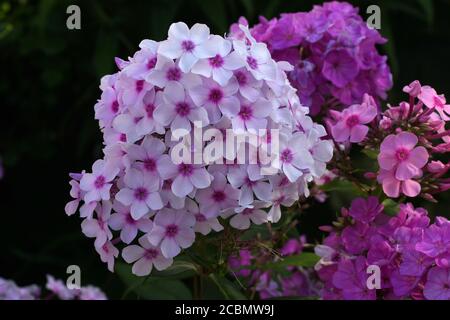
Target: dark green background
{"points": [[49, 84]]}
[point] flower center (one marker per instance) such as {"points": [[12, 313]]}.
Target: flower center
{"points": [[241, 78], [99, 182], [151, 254], [246, 113], [115, 106], [151, 63], [187, 45], [149, 108], [286, 156], [182, 109], [150, 164], [139, 85], [247, 211], [171, 230], [352, 121], [141, 194], [123, 137], [218, 196], [249, 182], [252, 63], [402, 154], [173, 74], [215, 95], [185, 169], [200, 218], [216, 61]]}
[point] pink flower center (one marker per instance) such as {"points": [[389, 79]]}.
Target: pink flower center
{"points": [[252, 63], [241, 78], [249, 182], [402, 154], [246, 113], [187, 46], [218, 196], [215, 96], [171, 230], [151, 254], [352, 121], [129, 219], [149, 108], [167, 185], [151, 63], [200, 218], [150, 164], [185, 169], [173, 74], [123, 137], [286, 156], [141, 194], [99, 182], [182, 109], [139, 85], [216, 61], [115, 106], [247, 211]]}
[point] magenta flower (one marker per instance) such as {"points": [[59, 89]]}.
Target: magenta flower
{"points": [[350, 125], [436, 241], [365, 210], [172, 230], [144, 257], [140, 193], [340, 67], [398, 153], [437, 286]]}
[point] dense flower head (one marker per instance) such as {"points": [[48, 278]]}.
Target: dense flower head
{"points": [[160, 180], [333, 52], [411, 254], [56, 288]]}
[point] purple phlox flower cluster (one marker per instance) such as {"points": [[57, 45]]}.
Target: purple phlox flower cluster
{"points": [[411, 254], [140, 194], [417, 138], [333, 52], [9, 290], [297, 282]]}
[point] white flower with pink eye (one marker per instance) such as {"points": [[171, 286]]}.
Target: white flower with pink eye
{"points": [[251, 213], [139, 193], [147, 157], [220, 196], [257, 59], [172, 230], [143, 61], [108, 107], [169, 199], [98, 228], [222, 64], [139, 120], [145, 256], [179, 111], [216, 99], [184, 176], [294, 158], [187, 45], [203, 224], [249, 87], [241, 177], [128, 226], [108, 253], [284, 194], [98, 183], [167, 70], [131, 91], [252, 116]]}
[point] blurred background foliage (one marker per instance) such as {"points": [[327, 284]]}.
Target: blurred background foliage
{"points": [[49, 84]]}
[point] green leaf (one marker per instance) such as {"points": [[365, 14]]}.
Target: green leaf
{"points": [[306, 259], [152, 287], [390, 207], [340, 185], [428, 9], [372, 154], [228, 289]]}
